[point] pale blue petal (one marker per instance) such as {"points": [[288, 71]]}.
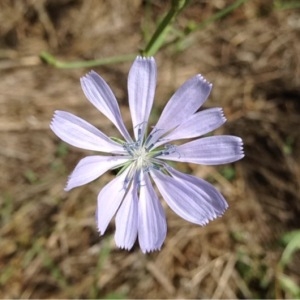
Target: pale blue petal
{"points": [[212, 150], [79, 133], [141, 90], [183, 199], [185, 102], [205, 190], [127, 220], [92, 167], [109, 200], [198, 124], [152, 226], [101, 96]]}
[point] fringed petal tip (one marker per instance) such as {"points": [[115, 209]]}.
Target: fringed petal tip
{"points": [[214, 217], [88, 75], [66, 188], [241, 147], [140, 58], [148, 250], [124, 247], [204, 81], [56, 115], [144, 250], [101, 234], [69, 186], [222, 114], [100, 231]]}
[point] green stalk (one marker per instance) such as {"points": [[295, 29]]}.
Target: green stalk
{"points": [[152, 47], [280, 4], [156, 42], [51, 60], [220, 14], [163, 28]]}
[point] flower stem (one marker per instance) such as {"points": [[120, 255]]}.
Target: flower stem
{"points": [[164, 26], [222, 13], [156, 42], [280, 4], [218, 15], [51, 60], [152, 47]]}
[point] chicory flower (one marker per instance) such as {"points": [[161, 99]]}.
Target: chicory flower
{"points": [[131, 196]]}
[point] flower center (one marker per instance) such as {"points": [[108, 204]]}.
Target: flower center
{"points": [[141, 158]]}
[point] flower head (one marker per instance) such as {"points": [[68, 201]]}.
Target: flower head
{"points": [[142, 158]]}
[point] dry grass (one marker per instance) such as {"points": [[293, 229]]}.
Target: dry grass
{"points": [[49, 244]]}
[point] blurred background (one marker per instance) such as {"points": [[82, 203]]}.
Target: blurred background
{"points": [[49, 245]]}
